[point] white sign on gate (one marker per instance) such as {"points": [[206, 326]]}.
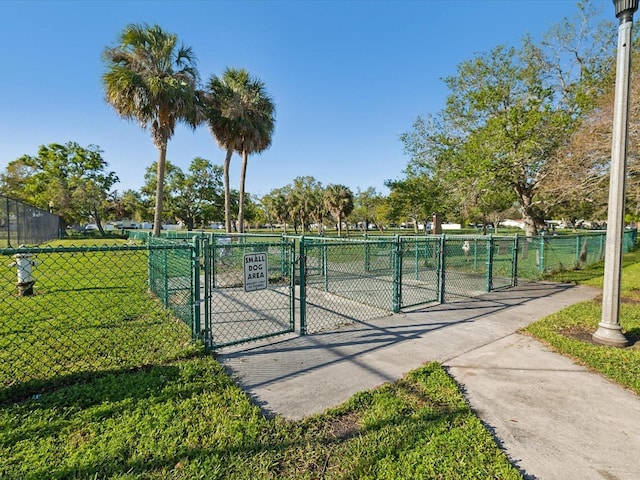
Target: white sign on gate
{"points": [[255, 271]]}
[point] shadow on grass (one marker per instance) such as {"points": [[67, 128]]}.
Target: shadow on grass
{"points": [[166, 421], [34, 389]]}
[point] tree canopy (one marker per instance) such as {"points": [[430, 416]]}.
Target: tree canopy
{"points": [[241, 117], [509, 113], [70, 179]]}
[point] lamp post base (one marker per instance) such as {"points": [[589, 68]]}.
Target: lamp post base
{"points": [[610, 334]]}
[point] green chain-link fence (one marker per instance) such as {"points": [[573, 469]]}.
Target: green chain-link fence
{"points": [[89, 310], [69, 312], [174, 276], [344, 281], [419, 271], [544, 254], [234, 312]]}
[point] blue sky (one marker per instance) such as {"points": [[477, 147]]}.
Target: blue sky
{"points": [[347, 77]]}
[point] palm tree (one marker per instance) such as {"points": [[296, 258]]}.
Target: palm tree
{"points": [[241, 118], [258, 133], [338, 201], [152, 79]]}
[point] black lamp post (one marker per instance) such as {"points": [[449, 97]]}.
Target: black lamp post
{"points": [[609, 331]]}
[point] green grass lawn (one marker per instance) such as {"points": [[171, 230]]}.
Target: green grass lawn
{"points": [[91, 313], [188, 420]]}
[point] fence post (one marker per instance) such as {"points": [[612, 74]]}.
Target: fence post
{"points": [[577, 261], [541, 255], [397, 261], [150, 270], [303, 287], [514, 261], [291, 262], [475, 254], [367, 260], [206, 255], [283, 262], [417, 259], [489, 282], [325, 267], [8, 224], [441, 270], [196, 321], [165, 276]]}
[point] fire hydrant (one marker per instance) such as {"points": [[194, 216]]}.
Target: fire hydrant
{"points": [[24, 263]]}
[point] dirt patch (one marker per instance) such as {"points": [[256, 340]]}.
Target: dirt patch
{"points": [[586, 337], [630, 298], [344, 427]]}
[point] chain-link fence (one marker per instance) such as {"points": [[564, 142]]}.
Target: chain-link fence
{"points": [[420, 271], [248, 288], [538, 256], [224, 311], [22, 224], [71, 312], [342, 281], [359, 280], [174, 277]]}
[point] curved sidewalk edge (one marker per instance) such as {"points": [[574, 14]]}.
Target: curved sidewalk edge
{"points": [[553, 418]]}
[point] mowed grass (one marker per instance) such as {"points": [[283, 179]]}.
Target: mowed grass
{"points": [[188, 420], [176, 414], [569, 331], [91, 312]]}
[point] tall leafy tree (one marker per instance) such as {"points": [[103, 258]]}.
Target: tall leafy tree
{"points": [[148, 191], [365, 205], [317, 211], [584, 162], [511, 110], [72, 179], [128, 206], [415, 198], [278, 205], [152, 79], [196, 196], [305, 201], [257, 130], [241, 117]]}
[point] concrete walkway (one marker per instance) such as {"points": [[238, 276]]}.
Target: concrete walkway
{"points": [[554, 419]]}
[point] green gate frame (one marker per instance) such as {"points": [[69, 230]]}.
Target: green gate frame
{"points": [[211, 260]]}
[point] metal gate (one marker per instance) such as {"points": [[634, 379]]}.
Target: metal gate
{"points": [[419, 271], [234, 313]]}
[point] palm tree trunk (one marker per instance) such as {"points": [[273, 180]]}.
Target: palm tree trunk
{"points": [[227, 193], [243, 176], [157, 217]]}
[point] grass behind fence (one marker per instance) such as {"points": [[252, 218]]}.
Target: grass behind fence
{"points": [[91, 312]]}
